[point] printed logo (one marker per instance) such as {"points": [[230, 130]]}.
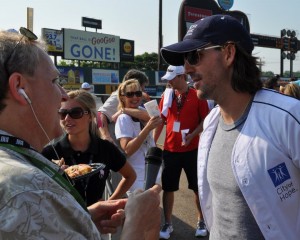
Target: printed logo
{"points": [[279, 174], [191, 30]]}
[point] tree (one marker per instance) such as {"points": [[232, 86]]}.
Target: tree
{"points": [[146, 61], [143, 62], [267, 74]]}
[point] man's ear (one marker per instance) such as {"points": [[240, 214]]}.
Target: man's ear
{"points": [[16, 82], [230, 51]]}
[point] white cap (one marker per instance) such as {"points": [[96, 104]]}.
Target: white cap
{"points": [[85, 85], [172, 72]]}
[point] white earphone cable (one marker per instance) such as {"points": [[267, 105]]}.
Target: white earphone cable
{"points": [[43, 130]]}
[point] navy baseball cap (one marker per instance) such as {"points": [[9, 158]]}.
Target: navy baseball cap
{"points": [[216, 29]]}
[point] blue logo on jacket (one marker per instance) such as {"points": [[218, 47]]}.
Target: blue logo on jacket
{"points": [[279, 174]]}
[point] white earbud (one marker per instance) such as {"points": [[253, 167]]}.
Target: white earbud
{"points": [[22, 92]]}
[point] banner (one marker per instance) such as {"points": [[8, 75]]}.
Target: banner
{"points": [[54, 39], [70, 75], [101, 76], [90, 46]]}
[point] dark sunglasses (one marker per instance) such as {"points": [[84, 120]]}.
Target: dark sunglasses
{"points": [[74, 113], [193, 58], [25, 33], [131, 94]]}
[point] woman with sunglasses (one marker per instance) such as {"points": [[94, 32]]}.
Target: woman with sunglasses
{"points": [[135, 136], [82, 144]]}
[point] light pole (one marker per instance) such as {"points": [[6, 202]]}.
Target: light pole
{"points": [[261, 63], [159, 65], [289, 44]]}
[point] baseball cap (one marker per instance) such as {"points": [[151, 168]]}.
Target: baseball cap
{"points": [[172, 72], [216, 29], [85, 85]]}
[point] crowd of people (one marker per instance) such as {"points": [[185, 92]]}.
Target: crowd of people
{"points": [[290, 88], [235, 137]]}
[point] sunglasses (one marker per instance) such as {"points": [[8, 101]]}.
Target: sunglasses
{"points": [[131, 94], [25, 33], [74, 113], [193, 58]]}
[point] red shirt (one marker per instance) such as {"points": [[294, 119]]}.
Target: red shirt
{"points": [[190, 115]]}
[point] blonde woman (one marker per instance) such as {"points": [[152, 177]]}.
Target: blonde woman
{"points": [[135, 136], [292, 90], [82, 144]]}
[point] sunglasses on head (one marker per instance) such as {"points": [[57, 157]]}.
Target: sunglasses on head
{"points": [[74, 113], [131, 94], [193, 58], [25, 33]]}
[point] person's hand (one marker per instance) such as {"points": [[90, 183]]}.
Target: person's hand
{"points": [[142, 213], [108, 215], [188, 139], [146, 97], [153, 123], [116, 115], [60, 163]]}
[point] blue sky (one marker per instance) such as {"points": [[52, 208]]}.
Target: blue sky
{"points": [[138, 20]]}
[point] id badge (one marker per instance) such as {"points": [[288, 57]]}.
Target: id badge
{"points": [[176, 126]]}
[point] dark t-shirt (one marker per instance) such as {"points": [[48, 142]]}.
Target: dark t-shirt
{"points": [[99, 151]]}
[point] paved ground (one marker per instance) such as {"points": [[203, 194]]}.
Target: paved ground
{"points": [[184, 213]]}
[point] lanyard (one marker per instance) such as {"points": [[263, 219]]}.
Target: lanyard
{"points": [[45, 168], [180, 100]]}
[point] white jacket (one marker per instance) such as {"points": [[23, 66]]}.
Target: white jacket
{"points": [[265, 162]]}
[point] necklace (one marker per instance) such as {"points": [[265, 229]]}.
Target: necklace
{"points": [[234, 119], [180, 100]]}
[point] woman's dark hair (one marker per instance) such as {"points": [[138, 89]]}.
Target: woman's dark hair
{"points": [[136, 74], [272, 82], [246, 74]]}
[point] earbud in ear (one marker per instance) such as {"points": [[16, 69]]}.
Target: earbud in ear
{"points": [[22, 92]]}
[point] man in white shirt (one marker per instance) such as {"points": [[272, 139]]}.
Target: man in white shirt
{"points": [[249, 156]]}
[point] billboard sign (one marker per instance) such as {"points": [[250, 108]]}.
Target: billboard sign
{"points": [[70, 75], [127, 50], [101, 76], [91, 22], [90, 46], [54, 39], [193, 14], [193, 10]]}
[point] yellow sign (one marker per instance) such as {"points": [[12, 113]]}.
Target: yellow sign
{"points": [[127, 47]]}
